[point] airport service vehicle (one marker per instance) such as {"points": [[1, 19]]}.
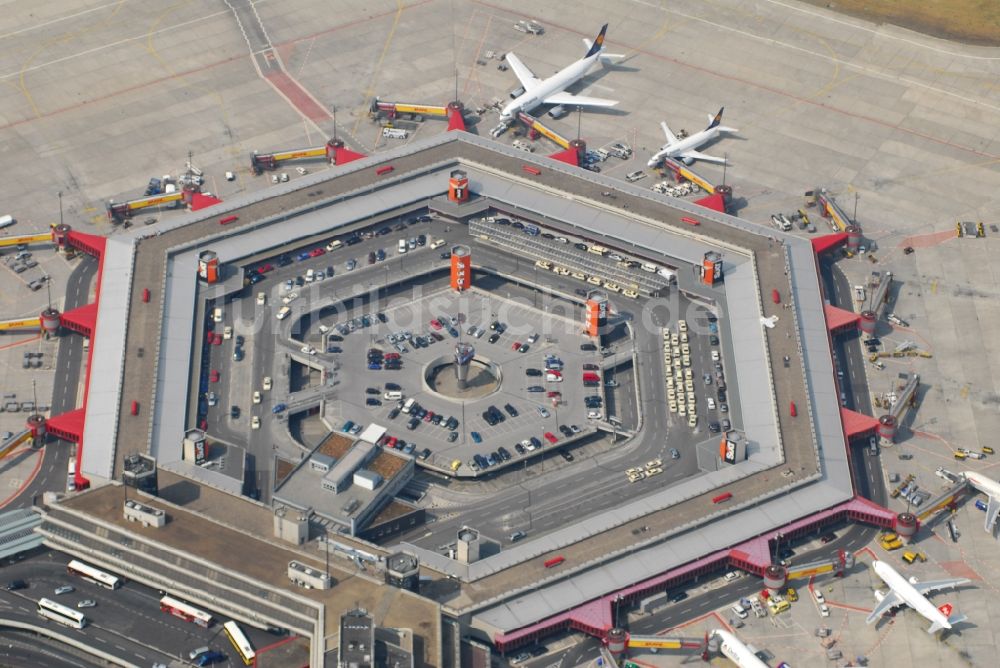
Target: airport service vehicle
{"points": [[94, 575], [912, 593], [240, 642], [185, 611], [60, 613], [686, 149], [553, 89]]}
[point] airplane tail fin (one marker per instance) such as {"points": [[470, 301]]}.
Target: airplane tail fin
{"points": [[715, 121], [946, 610], [598, 42]]}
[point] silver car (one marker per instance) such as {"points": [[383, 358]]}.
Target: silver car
{"points": [[65, 589], [87, 603]]}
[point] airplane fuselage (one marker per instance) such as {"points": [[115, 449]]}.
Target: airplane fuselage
{"points": [[738, 652], [692, 142], [556, 83], [982, 483], [910, 595]]}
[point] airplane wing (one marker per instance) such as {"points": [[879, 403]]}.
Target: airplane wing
{"points": [[934, 585], [524, 75], [578, 100], [992, 510], [891, 600], [671, 137], [698, 155]]}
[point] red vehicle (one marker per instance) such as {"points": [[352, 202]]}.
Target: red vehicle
{"points": [[590, 377], [435, 324], [554, 395], [391, 356], [135, 408], [145, 295], [316, 252], [532, 170], [429, 416], [554, 561], [550, 437], [385, 169], [209, 337], [214, 376], [217, 340], [553, 372], [722, 497], [515, 346], [391, 443], [264, 268], [228, 219]]}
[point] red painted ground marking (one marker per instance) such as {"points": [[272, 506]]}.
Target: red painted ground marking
{"points": [[28, 480], [298, 96], [22, 341], [928, 240], [960, 569]]}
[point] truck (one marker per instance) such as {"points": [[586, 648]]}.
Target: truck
{"points": [[780, 222], [896, 320]]}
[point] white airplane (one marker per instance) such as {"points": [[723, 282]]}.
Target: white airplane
{"points": [[686, 149], [553, 90], [737, 652], [990, 488], [912, 593]]}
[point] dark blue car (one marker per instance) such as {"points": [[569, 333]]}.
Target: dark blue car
{"points": [[278, 408], [304, 255], [476, 437]]}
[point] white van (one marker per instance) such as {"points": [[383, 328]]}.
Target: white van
{"points": [[334, 245], [311, 275], [649, 266], [283, 312], [392, 395], [217, 315], [401, 246], [394, 133], [6, 221], [739, 611], [437, 243]]}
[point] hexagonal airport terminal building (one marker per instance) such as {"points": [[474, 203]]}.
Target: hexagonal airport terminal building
{"points": [[461, 310]]}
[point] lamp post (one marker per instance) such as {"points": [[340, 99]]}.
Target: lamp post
{"points": [[60, 208]]}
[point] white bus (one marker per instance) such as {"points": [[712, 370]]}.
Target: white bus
{"points": [[185, 611], [240, 642], [60, 613], [94, 575]]}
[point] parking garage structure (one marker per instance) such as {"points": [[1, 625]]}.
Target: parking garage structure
{"points": [[796, 467]]}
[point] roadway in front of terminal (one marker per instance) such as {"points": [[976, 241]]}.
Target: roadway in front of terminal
{"points": [[126, 622]]}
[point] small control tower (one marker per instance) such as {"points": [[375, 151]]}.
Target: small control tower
{"points": [[464, 353]]}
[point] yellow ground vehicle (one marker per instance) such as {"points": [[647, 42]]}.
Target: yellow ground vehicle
{"points": [[455, 464], [959, 455], [910, 557], [792, 595], [890, 541], [987, 450]]}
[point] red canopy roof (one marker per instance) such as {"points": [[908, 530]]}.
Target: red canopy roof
{"points": [[342, 156], [715, 202], [455, 119], [200, 201], [856, 423], [838, 318], [828, 242], [570, 156]]}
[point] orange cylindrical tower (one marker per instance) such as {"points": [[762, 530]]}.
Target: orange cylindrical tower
{"points": [[711, 268], [597, 313], [461, 268], [458, 186], [208, 266]]}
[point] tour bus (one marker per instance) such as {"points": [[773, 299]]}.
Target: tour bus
{"points": [[60, 613]]}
